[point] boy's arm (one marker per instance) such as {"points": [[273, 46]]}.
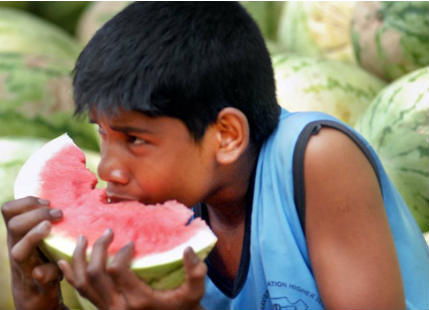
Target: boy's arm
{"points": [[348, 235]]}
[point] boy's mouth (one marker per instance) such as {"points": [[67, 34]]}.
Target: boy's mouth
{"points": [[112, 198]]}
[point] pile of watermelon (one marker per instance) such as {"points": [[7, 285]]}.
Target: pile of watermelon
{"points": [[367, 63]]}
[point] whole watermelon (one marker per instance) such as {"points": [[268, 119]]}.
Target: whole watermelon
{"points": [[317, 29], [391, 39], [36, 59], [36, 99], [21, 32], [14, 152], [397, 126], [334, 87]]}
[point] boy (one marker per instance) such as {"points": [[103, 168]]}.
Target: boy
{"points": [[305, 216]]}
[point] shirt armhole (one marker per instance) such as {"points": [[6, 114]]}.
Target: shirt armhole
{"points": [[298, 160], [298, 169]]}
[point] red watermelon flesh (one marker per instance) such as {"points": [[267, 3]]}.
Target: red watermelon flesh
{"points": [[153, 228], [161, 232]]}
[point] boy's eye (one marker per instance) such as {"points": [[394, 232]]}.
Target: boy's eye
{"points": [[136, 140]]}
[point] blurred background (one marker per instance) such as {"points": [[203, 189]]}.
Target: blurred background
{"points": [[367, 63]]}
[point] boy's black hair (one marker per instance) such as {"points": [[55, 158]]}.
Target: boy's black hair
{"points": [[186, 60]]}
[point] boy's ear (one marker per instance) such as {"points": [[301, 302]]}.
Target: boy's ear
{"points": [[232, 135]]}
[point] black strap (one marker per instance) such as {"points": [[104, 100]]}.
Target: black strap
{"points": [[298, 160]]}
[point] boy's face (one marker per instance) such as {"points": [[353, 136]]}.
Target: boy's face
{"points": [[154, 159]]}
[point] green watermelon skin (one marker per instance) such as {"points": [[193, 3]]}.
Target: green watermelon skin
{"points": [[397, 125], [317, 29], [36, 99], [389, 38], [313, 84], [21, 32]]}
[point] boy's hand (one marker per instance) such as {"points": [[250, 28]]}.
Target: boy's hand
{"points": [[35, 281], [117, 287]]}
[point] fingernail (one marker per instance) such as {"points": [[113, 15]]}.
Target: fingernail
{"points": [[44, 227], [81, 239], [43, 201], [60, 264], [107, 232], [130, 245], [56, 213], [37, 274], [194, 259]]}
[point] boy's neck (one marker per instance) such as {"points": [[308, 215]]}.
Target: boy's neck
{"points": [[228, 207]]}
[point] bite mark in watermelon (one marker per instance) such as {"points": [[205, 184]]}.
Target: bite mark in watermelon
{"points": [[160, 232]]}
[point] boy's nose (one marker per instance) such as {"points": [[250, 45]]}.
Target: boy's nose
{"points": [[112, 173]]}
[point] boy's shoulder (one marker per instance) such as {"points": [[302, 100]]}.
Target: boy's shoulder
{"points": [[295, 127]]}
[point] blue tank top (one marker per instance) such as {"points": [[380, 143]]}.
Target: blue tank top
{"points": [[275, 270]]}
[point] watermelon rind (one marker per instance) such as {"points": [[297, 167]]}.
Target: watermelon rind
{"points": [[28, 182], [175, 276], [156, 269], [160, 270]]}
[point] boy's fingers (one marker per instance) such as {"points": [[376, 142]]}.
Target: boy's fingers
{"points": [[99, 253], [21, 224], [79, 264], [137, 293], [69, 275], [195, 273], [24, 247], [18, 206], [97, 265], [67, 271], [47, 273], [122, 259]]}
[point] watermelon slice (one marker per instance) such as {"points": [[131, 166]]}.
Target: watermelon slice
{"points": [[160, 232]]}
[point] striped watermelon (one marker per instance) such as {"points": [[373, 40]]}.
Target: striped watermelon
{"points": [[334, 87], [317, 29], [36, 99], [391, 39], [21, 32], [36, 59], [397, 126]]}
